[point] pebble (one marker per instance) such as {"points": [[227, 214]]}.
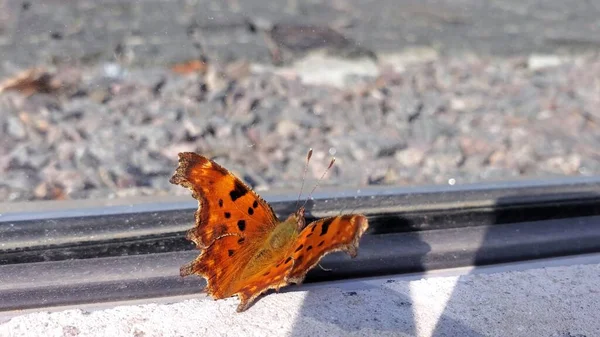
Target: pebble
{"points": [[15, 128], [412, 156], [537, 62]]}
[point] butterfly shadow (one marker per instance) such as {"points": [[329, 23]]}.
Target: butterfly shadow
{"points": [[368, 306], [526, 296]]}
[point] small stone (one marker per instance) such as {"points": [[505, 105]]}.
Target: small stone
{"points": [[472, 145], [537, 62], [391, 148], [49, 191], [490, 173], [287, 128], [4, 192], [411, 156], [113, 71], [458, 103], [238, 70], [15, 128], [498, 157], [409, 56], [216, 79], [564, 165], [319, 69]]}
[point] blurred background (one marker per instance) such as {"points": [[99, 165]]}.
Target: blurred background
{"points": [[98, 97]]}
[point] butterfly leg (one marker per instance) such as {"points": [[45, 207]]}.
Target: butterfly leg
{"points": [[247, 299], [324, 269], [244, 303]]}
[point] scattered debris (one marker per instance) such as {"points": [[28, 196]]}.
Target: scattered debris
{"points": [[29, 82], [468, 119], [190, 67], [296, 38]]}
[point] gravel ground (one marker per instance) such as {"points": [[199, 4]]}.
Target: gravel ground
{"points": [[401, 92], [105, 130]]}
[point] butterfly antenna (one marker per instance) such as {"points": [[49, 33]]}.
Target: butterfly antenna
{"points": [[310, 151], [319, 181], [351, 212]]}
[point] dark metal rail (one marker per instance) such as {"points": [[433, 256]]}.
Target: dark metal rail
{"points": [[88, 251]]}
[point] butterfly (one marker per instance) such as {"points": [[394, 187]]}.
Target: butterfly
{"points": [[245, 249]]}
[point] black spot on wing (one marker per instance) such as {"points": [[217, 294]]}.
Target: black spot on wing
{"points": [[288, 260], [325, 226], [299, 247], [227, 215], [230, 252], [241, 225], [241, 240], [255, 204], [220, 202], [308, 248], [321, 243], [250, 210], [239, 190]]}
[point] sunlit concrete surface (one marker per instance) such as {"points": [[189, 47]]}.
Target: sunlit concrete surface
{"points": [[539, 299]]}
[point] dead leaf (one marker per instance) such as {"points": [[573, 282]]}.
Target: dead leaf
{"points": [[191, 66], [29, 82]]}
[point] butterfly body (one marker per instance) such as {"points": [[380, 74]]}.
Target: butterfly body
{"points": [[278, 244], [246, 250], [285, 232]]}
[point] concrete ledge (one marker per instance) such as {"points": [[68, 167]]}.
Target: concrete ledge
{"points": [[558, 297]]}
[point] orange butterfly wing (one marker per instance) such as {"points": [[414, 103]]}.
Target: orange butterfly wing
{"points": [[226, 204], [324, 236], [231, 222], [225, 275], [316, 240], [272, 277]]}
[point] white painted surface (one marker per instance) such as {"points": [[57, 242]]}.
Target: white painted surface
{"points": [[539, 299]]}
